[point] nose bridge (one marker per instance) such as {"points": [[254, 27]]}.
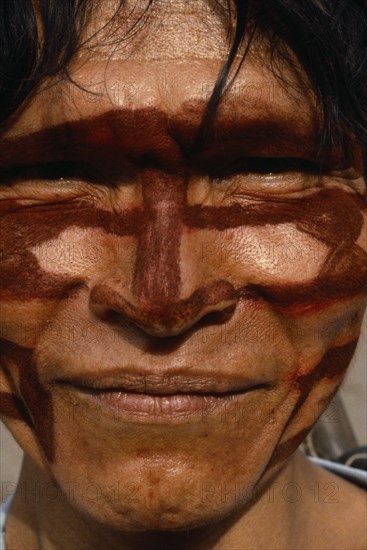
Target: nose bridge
{"points": [[156, 303], [157, 274]]}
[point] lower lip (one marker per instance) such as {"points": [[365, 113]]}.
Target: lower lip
{"points": [[148, 408]]}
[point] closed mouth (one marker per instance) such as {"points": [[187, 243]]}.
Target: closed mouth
{"points": [[151, 396], [160, 384]]}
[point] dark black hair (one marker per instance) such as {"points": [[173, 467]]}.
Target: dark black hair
{"points": [[329, 38]]}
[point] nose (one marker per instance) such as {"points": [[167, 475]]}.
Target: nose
{"points": [[153, 299], [165, 319]]}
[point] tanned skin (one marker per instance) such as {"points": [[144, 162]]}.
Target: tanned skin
{"points": [[138, 252]]}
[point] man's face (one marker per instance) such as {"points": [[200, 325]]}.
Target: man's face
{"points": [[173, 321]]}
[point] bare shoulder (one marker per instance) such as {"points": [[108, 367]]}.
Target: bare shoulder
{"points": [[341, 517]]}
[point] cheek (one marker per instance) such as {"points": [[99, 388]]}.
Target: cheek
{"points": [[314, 390], [29, 294], [47, 250], [362, 239], [90, 253], [263, 256], [322, 326], [24, 229], [29, 297], [24, 399]]}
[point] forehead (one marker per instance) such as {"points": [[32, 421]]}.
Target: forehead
{"points": [[167, 57], [165, 29]]}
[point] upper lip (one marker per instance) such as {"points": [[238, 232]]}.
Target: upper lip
{"points": [[163, 383]]}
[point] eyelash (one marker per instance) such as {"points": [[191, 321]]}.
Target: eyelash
{"points": [[46, 172], [260, 165], [50, 171], [68, 172], [266, 166], [250, 176], [267, 178]]}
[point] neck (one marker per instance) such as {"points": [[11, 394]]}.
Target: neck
{"points": [[41, 517]]}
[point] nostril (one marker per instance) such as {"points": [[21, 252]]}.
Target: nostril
{"points": [[163, 346], [107, 302], [217, 317], [209, 304]]}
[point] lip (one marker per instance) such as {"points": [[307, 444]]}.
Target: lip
{"points": [[151, 408], [165, 396], [167, 382]]}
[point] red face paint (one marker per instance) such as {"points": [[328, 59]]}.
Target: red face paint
{"points": [[333, 366], [330, 216], [35, 406]]}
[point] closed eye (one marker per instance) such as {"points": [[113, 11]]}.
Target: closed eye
{"points": [[55, 171], [72, 171], [266, 166], [266, 177]]}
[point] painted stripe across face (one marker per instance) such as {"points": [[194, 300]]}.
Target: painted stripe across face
{"points": [[332, 216], [332, 367], [35, 405], [39, 413], [157, 269]]}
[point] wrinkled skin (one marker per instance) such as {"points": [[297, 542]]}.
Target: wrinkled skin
{"points": [[146, 260]]}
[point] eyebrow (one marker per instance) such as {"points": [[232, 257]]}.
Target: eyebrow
{"points": [[149, 130]]}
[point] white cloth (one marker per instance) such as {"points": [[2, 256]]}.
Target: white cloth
{"points": [[3, 515]]}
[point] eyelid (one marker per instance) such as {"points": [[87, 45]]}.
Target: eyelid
{"points": [[42, 171], [262, 166], [300, 178], [93, 172]]}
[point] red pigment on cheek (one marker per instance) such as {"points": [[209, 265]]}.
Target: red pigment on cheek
{"points": [[23, 228], [286, 449], [13, 407], [344, 273], [34, 397], [332, 217], [158, 233], [334, 363], [147, 137], [307, 309], [332, 366]]}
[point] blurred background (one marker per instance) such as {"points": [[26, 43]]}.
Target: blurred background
{"points": [[353, 393]]}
